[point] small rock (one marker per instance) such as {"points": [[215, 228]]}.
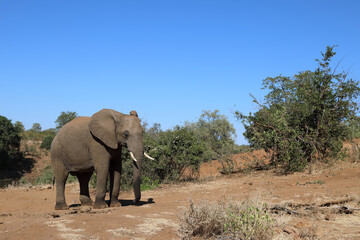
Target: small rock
{"points": [[328, 217], [54, 215], [290, 230], [6, 215], [85, 209]]}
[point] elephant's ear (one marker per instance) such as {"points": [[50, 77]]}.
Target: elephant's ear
{"points": [[134, 113], [102, 125]]}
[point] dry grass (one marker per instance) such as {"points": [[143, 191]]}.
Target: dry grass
{"points": [[247, 220]]}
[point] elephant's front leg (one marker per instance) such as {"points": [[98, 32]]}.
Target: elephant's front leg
{"points": [[101, 178], [115, 179]]}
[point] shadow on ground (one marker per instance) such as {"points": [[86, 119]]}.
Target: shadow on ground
{"points": [[15, 170], [123, 202]]}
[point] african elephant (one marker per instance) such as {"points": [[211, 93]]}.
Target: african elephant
{"points": [[95, 143]]}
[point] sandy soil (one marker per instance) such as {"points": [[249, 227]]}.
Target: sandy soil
{"points": [[325, 204]]}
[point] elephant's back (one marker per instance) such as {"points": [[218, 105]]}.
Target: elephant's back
{"points": [[73, 129], [72, 141]]}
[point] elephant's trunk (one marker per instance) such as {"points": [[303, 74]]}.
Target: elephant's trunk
{"points": [[137, 177], [136, 184]]}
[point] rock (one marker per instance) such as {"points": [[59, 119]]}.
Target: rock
{"points": [[54, 215], [292, 231], [328, 217], [85, 209]]}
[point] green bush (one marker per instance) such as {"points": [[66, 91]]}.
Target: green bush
{"points": [[304, 117], [148, 184], [9, 143], [46, 143], [174, 150], [47, 177]]}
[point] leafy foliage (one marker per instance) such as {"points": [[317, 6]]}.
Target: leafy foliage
{"points": [[304, 117], [216, 132], [174, 151], [36, 127], [46, 143], [9, 143], [354, 127], [64, 118], [47, 177]]}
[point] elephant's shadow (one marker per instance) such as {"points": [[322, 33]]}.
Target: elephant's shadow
{"points": [[123, 202]]}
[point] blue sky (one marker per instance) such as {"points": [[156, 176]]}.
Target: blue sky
{"points": [[168, 60]]}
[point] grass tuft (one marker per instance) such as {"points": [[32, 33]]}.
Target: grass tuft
{"points": [[247, 220]]}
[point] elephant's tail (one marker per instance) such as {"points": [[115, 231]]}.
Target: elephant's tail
{"points": [[53, 181]]}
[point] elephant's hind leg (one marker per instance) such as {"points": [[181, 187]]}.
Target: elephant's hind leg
{"points": [[61, 175], [84, 178]]}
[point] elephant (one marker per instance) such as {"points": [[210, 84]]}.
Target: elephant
{"points": [[95, 143]]}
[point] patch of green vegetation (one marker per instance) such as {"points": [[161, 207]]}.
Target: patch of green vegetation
{"points": [[46, 143], [313, 182], [248, 221], [47, 177], [148, 184]]}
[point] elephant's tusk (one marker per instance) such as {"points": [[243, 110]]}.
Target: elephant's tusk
{"points": [[148, 156], [133, 157]]}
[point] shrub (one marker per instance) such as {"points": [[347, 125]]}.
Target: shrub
{"points": [[174, 150], [247, 220], [47, 177], [46, 143], [9, 143], [304, 117]]}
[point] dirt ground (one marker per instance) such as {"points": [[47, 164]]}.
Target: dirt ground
{"points": [[324, 204]]}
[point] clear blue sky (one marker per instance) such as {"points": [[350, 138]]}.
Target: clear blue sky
{"points": [[168, 60]]}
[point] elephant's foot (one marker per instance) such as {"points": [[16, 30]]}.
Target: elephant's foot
{"points": [[114, 202], [61, 206], [86, 201], [100, 204]]}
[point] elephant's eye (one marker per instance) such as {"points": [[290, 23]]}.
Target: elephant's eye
{"points": [[126, 134]]}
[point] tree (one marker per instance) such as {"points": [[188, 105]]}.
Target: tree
{"points": [[9, 142], [216, 132], [64, 118], [304, 117], [19, 125], [36, 127]]}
